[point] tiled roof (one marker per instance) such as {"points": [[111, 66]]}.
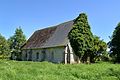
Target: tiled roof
{"points": [[49, 37]]}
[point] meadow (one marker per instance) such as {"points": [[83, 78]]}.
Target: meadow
{"points": [[23, 70]]}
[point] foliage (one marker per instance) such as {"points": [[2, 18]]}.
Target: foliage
{"points": [[16, 42], [81, 37], [114, 44], [99, 49], [14, 70], [105, 57], [4, 48]]}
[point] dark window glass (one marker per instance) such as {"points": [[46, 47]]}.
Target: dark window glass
{"points": [[52, 55], [44, 55], [30, 55], [37, 55]]}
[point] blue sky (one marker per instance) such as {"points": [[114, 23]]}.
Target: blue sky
{"points": [[31, 15]]}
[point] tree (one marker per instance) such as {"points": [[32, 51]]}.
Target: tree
{"points": [[4, 48], [99, 49], [16, 42], [81, 38], [114, 44]]}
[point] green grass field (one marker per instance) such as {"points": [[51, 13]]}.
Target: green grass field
{"points": [[16, 70]]}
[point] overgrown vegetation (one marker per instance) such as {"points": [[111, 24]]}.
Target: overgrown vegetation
{"points": [[84, 44], [13, 70], [99, 50]]}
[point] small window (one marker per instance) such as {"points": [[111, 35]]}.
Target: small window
{"points": [[44, 55], [52, 55], [43, 51], [37, 55], [30, 55], [26, 56]]}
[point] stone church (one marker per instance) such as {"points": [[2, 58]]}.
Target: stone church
{"points": [[50, 44]]}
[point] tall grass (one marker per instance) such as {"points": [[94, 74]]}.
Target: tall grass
{"points": [[15, 70]]}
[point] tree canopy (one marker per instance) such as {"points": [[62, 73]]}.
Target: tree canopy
{"points": [[16, 41], [81, 37], [4, 48], [84, 44], [114, 44], [99, 48]]}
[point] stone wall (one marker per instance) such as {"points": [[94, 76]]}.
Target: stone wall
{"points": [[49, 54], [55, 54], [70, 56]]}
